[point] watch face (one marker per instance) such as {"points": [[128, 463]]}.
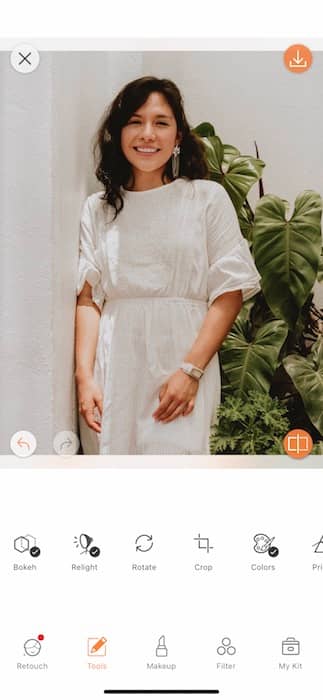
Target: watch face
{"points": [[195, 373]]}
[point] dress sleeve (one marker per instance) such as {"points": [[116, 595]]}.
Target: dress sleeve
{"points": [[231, 265], [89, 268]]}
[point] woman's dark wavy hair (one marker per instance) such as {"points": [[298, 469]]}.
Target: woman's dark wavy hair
{"points": [[113, 169]]}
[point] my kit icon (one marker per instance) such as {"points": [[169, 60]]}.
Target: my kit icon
{"points": [[291, 647]]}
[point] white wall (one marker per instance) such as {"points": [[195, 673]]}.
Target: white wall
{"points": [[26, 253], [48, 118], [252, 96], [47, 121]]}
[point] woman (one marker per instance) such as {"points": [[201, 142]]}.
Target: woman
{"points": [[163, 271]]}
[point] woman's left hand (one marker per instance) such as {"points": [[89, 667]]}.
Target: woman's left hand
{"points": [[177, 397]]}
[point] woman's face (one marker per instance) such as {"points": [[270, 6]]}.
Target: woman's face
{"points": [[148, 140]]}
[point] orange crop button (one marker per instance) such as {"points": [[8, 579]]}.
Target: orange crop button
{"points": [[298, 58], [298, 443]]}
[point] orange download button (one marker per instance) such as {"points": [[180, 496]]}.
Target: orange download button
{"points": [[298, 443], [298, 58]]}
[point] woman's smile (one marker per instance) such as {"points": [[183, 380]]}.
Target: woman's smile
{"points": [[145, 151]]}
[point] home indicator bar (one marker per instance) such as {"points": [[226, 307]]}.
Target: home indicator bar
{"points": [[156, 691]]}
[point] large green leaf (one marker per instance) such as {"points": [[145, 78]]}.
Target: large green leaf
{"points": [[214, 155], [243, 172], [246, 219], [235, 172], [307, 376], [204, 129], [250, 362], [229, 152], [287, 252]]}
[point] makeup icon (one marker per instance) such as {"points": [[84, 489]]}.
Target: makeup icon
{"points": [[161, 649], [96, 646]]}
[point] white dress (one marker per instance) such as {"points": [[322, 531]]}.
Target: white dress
{"points": [[154, 271]]}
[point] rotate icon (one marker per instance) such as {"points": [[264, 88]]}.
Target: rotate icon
{"points": [[144, 543]]}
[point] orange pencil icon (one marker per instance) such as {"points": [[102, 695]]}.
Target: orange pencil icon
{"points": [[98, 645]]}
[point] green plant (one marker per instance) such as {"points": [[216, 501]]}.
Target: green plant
{"points": [[276, 343], [317, 449], [307, 375], [254, 425]]}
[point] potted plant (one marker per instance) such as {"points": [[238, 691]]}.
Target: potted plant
{"points": [[275, 346]]}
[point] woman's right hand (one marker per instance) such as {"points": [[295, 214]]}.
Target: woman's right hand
{"points": [[90, 401]]}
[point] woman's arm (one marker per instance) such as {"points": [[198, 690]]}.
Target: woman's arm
{"points": [[217, 323], [177, 395], [87, 331]]}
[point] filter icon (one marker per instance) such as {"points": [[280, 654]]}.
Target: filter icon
{"points": [[226, 647], [161, 649]]}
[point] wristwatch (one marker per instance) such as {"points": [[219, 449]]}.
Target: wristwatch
{"points": [[191, 370]]}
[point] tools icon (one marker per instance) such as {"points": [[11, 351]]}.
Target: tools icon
{"points": [[84, 542], [26, 543], [96, 646], [161, 649], [203, 543], [144, 543], [264, 544]]}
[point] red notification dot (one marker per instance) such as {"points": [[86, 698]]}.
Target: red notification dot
{"points": [[40, 637]]}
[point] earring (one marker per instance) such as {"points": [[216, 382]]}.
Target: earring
{"points": [[175, 161]]}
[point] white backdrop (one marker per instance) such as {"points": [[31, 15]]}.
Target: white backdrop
{"points": [[47, 121]]}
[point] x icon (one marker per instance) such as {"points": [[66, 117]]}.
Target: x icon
{"points": [[24, 58]]}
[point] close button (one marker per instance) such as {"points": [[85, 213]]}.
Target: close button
{"points": [[24, 58]]}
